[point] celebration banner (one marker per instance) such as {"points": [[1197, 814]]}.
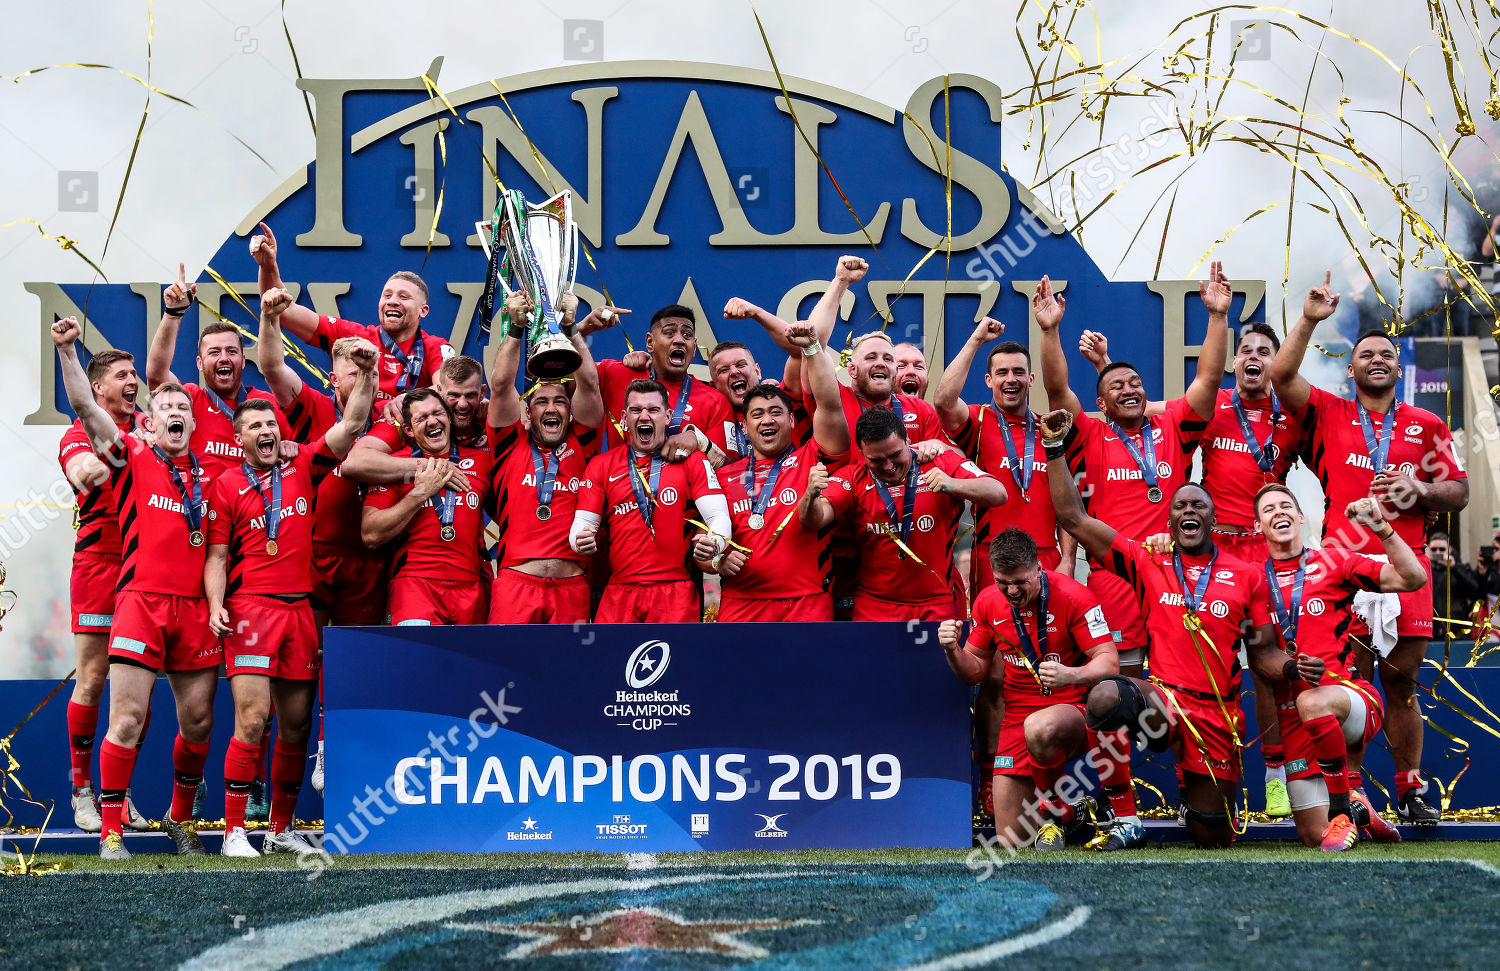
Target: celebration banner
{"points": [[644, 738]]}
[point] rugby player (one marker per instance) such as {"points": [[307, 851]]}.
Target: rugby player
{"points": [[161, 615], [258, 578], [541, 448], [95, 573], [221, 360], [911, 370], [1047, 634], [1251, 441], [905, 519], [1324, 724], [1403, 456], [735, 373], [1197, 604], [438, 571], [783, 576], [643, 501], [409, 356], [1003, 438]]}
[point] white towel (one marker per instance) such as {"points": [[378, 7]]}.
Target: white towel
{"points": [[1379, 612]]}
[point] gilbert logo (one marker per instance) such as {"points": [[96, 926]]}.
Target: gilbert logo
{"points": [[647, 664], [771, 830]]}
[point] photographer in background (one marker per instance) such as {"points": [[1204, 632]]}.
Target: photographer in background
{"points": [[1456, 587]]}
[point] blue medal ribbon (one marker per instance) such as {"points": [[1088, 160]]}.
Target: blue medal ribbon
{"points": [[908, 504], [1033, 654], [645, 493], [545, 472], [223, 405], [272, 502], [1192, 600], [446, 501], [1376, 447], [411, 364], [760, 500], [679, 410], [1287, 615], [1145, 462], [1021, 466], [895, 406], [1261, 453], [192, 506]]}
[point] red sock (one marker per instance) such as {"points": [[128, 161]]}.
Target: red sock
{"points": [[239, 769], [188, 759], [1275, 755], [1332, 752], [116, 763], [264, 754], [286, 782], [1114, 773], [83, 725], [1356, 780], [1407, 783]]}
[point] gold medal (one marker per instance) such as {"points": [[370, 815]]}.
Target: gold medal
{"points": [[196, 537], [270, 547], [1191, 622], [448, 532]]}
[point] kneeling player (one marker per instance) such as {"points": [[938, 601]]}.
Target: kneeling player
{"points": [[1325, 726], [258, 577], [1057, 645]]}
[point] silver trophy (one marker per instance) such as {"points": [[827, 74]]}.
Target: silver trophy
{"points": [[541, 250]]}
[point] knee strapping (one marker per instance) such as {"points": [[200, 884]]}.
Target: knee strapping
{"points": [[1218, 819]]}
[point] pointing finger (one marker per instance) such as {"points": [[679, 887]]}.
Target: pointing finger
{"points": [[182, 274]]}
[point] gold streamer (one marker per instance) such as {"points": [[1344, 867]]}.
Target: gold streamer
{"points": [[292, 350]]}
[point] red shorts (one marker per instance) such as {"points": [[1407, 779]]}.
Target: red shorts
{"points": [[1415, 619], [1301, 763], [1202, 741], [271, 637], [1012, 757], [982, 573], [663, 602], [92, 589], [163, 632], [845, 574], [814, 608], [520, 598], [1121, 609], [1248, 547], [417, 601], [351, 587], [871, 608]]}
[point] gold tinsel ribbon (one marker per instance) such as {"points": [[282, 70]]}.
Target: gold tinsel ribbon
{"points": [[291, 349]]}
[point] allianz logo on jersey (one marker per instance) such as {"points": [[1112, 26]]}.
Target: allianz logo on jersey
{"points": [[922, 524], [786, 497], [1218, 608], [645, 710], [571, 485], [225, 449], [1163, 470], [1225, 443], [159, 501], [772, 828], [259, 522], [528, 831]]}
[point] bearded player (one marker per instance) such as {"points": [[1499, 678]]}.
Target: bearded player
{"points": [[161, 615], [778, 571], [96, 572], [258, 578], [904, 519], [1196, 605], [409, 356], [1402, 456], [438, 572], [1326, 724], [1251, 441], [1003, 437], [644, 502], [221, 361], [911, 370], [541, 448], [1047, 633]]}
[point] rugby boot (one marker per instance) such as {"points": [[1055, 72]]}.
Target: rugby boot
{"points": [[286, 841], [133, 817], [112, 847], [1278, 803], [237, 844], [85, 813], [1371, 824], [1415, 809], [185, 835], [1122, 834], [1050, 838], [1339, 835]]}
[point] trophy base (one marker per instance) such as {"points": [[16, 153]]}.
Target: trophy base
{"points": [[553, 357]]}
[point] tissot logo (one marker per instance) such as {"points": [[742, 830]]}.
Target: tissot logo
{"points": [[647, 664]]}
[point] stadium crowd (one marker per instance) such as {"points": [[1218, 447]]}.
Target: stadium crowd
{"points": [[225, 525]]}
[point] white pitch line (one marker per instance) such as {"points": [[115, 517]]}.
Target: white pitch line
{"points": [[1486, 867], [640, 861], [1009, 946]]}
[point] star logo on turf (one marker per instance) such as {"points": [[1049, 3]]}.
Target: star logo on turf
{"points": [[633, 929]]}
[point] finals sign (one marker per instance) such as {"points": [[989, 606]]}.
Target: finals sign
{"points": [[691, 184]]}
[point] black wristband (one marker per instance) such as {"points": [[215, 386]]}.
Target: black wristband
{"points": [[569, 328], [175, 311], [1289, 670], [515, 330], [1054, 451]]}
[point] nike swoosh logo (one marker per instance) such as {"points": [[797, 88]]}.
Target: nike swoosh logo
{"points": [[615, 478], [869, 487]]}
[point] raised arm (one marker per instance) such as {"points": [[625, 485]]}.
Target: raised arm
{"points": [[850, 270], [342, 436], [1286, 377], [97, 423], [175, 301], [1404, 572], [739, 308], [271, 355], [300, 321], [970, 662], [588, 397], [505, 401], [1216, 293], [830, 429], [814, 511], [1048, 308], [1095, 536], [952, 411], [1094, 347]]}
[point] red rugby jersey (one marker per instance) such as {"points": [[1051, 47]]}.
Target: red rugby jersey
{"points": [[213, 440], [1231, 473], [158, 557], [1331, 580], [884, 572], [1335, 447], [1236, 596], [706, 409], [237, 518], [435, 350], [982, 439], [420, 550], [522, 535], [919, 417], [1075, 626], [795, 563], [341, 501], [638, 553], [1112, 485], [98, 526], [390, 433]]}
